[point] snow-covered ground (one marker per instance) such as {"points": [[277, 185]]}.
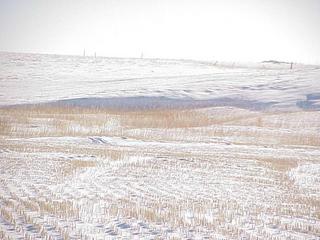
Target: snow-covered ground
{"points": [[223, 169], [26, 78]]}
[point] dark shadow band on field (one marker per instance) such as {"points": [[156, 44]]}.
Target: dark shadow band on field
{"points": [[137, 103], [149, 103], [312, 102]]}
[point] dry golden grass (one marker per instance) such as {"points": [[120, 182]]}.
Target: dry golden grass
{"points": [[278, 164], [74, 165], [5, 127], [264, 128], [166, 119]]}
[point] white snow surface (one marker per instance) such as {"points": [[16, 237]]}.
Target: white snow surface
{"points": [[29, 78]]}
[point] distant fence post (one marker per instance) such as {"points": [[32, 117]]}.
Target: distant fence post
{"points": [[291, 65]]}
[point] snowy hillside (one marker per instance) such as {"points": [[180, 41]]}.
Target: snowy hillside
{"points": [[27, 78]]}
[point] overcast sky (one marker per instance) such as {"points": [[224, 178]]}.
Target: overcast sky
{"points": [[246, 30]]}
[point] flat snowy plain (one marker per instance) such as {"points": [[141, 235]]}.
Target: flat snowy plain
{"points": [[107, 148]]}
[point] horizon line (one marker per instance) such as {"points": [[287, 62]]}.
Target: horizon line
{"points": [[159, 58]]}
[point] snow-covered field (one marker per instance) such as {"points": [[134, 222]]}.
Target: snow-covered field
{"points": [[242, 163], [26, 78]]}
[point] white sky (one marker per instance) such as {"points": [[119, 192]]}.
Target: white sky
{"points": [[233, 30]]}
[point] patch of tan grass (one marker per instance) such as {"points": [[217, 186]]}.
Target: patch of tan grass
{"points": [[278, 164], [241, 125], [74, 165], [5, 127], [166, 119]]}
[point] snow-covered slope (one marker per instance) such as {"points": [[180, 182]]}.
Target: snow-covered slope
{"points": [[26, 78]]}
